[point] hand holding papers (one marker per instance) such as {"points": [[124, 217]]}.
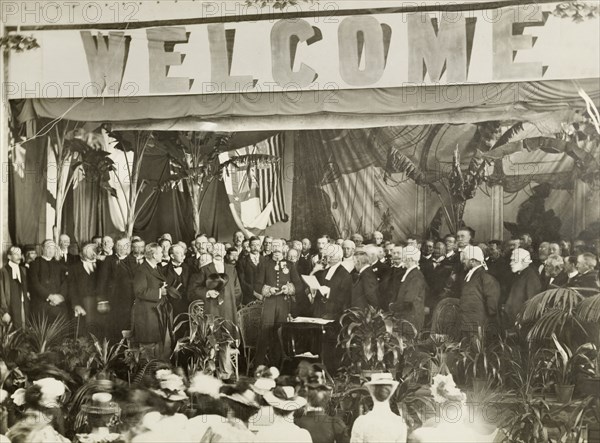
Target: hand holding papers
{"points": [[314, 286]]}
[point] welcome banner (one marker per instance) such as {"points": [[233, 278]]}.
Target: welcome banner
{"points": [[371, 50]]}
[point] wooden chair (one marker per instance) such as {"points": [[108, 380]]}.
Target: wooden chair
{"points": [[195, 310], [446, 318], [249, 324]]}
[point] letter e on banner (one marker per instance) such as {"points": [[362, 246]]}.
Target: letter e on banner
{"points": [[506, 44], [162, 57]]}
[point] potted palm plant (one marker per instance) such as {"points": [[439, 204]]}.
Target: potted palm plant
{"points": [[482, 360], [564, 364], [205, 336], [588, 311], [373, 341]]}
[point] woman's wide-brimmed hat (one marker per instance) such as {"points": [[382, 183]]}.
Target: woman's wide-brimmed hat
{"points": [[216, 282], [245, 398], [284, 398], [102, 404]]}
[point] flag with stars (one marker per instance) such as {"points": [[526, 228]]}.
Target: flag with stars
{"points": [[255, 191]]}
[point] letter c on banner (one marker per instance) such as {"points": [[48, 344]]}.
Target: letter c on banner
{"points": [[285, 37], [361, 37]]}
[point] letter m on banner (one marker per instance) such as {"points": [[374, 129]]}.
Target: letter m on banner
{"points": [[254, 182]]}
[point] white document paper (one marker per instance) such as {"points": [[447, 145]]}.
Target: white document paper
{"points": [[311, 320], [311, 282]]}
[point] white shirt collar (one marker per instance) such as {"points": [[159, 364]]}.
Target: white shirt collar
{"points": [[407, 272], [450, 254], [363, 268], [428, 256], [16, 272], [573, 274], [332, 270], [219, 266], [151, 265], [471, 272], [348, 264]]}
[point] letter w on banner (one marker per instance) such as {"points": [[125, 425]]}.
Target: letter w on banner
{"points": [[253, 180]]}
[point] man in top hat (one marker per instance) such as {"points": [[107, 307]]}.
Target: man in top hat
{"points": [[380, 424], [177, 274], [150, 317], [276, 280], [321, 426], [47, 283], [410, 298], [14, 298], [116, 289], [83, 291], [525, 285], [246, 267], [480, 295], [285, 403], [217, 284]]}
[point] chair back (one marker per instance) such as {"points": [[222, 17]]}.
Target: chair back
{"points": [[195, 310], [249, 323], [446, 318]]}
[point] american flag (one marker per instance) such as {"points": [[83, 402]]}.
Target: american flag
{"points": [[256, 193], [270, 179]]}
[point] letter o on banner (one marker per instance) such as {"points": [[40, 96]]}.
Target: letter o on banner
{"points": [[351, 47]]}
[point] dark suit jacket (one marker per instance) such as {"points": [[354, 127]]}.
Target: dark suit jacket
{"points": [[338, 300], [14, 302], [83, 291], [304, 264], [230, 295], [365, 291], [145, 313], [479, 300], [559, 281], [47, 277], [388, 288], [246, 274], [585, 283], [381, 269], [426, 266], [526, 285], [410, 300], [178, 286]]}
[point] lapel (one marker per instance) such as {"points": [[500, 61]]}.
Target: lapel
{"points": [[210, 268], [154, 272]]}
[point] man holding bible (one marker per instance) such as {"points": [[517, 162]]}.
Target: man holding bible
{"points": [[276, 281]]}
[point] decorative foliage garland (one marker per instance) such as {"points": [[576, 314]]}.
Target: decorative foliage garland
{"points": [[577, 10], [275, 4], [18, 42]]}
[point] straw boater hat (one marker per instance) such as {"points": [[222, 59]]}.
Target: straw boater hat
{"points": [[381, 379], [285, 398], [102, 404]]}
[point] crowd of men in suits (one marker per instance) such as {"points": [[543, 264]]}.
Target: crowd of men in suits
{"points": [[123, 284]]}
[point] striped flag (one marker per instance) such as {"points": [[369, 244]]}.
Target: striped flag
{"points": [[270, 180], [256, 192]]}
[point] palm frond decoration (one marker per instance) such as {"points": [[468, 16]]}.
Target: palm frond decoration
{"points": [[589, 309], [563, 299], [508, 135], [398, 162]]}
